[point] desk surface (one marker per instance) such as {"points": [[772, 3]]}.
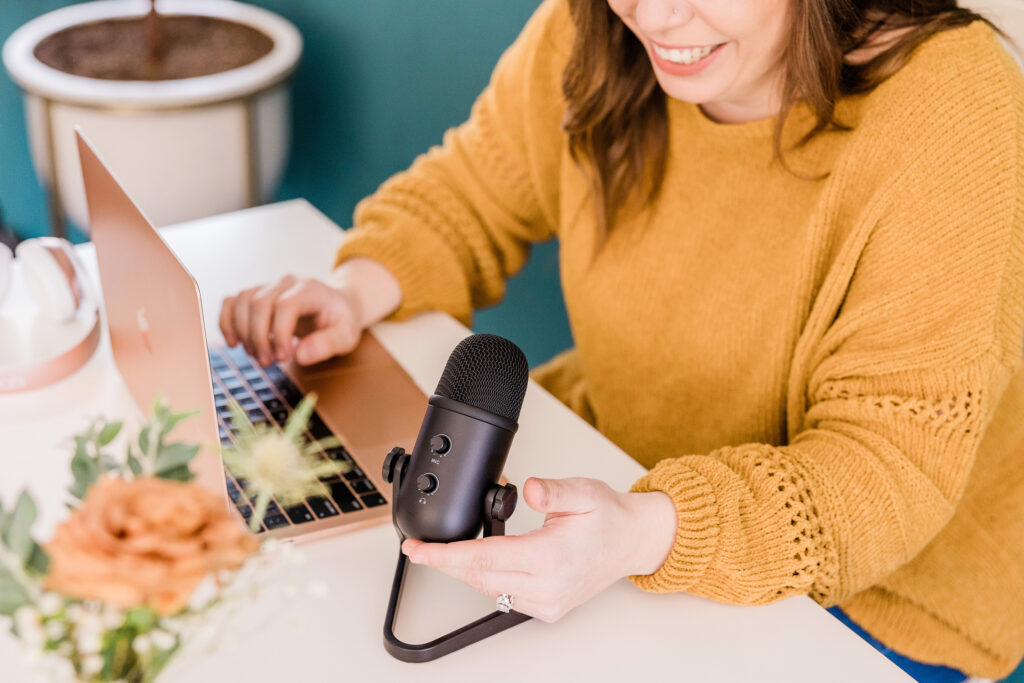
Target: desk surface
{"points": [[324, 612]]}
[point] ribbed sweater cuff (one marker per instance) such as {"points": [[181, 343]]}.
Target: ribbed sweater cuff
{"points": [[426, 269], [697, 530]]}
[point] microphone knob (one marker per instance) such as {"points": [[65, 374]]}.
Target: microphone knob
{"points": [[504, 502], [440, 444], [426, 483], [391, 461]]}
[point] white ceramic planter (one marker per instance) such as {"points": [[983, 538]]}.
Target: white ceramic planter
{"points": [[183, 148]]}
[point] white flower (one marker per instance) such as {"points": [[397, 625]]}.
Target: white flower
{"points": [[57, 668], [74, 612], [112, 618], [65, 648], [55, 629], [163, 640], [142, 644], [91, 665], [49, 604], [89, 634], [29, 627]]}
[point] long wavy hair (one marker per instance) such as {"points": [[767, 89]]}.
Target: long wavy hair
{"points": [[617, 122]]}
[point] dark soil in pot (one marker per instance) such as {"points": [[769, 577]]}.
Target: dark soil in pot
{"points": [[120, 49]]}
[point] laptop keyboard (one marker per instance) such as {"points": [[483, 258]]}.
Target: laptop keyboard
{"points": [[268, 396]]}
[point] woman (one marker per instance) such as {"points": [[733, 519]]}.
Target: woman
{"points": [[792, 253]]}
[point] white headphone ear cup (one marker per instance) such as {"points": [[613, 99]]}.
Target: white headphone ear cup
{"points": [[46, 280], [6, 260]]}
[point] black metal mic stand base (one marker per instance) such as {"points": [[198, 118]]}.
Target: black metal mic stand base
{"points": [[498, 507]]}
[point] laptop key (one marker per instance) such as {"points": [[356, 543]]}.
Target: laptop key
{"points": [[317, 428], [354, 473], [344, 498], [299, 514], [338, 453], [272, 404], [373, 500], [280, 416], [322, 507], [275, 521], [239, 392], [265, 394], [363, 486]]}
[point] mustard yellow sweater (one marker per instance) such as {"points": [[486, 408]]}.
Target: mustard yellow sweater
{"points": [[824, 375]]}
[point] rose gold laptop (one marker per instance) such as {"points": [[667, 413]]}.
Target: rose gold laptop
{"points": [[158, 339]]}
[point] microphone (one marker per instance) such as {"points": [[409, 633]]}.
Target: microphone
{"points": [[447, 489], [463, 442]]}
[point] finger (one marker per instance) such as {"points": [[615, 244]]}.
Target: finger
{"points": [[495, 553], [261, 312], [227, 325], [338, 338], [240, 317], [302, 298], [575, 495]]}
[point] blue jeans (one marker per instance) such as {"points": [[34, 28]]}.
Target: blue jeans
{"points": [[923, 673]]}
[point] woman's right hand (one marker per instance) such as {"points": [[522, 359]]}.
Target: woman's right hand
{"points": [[326, 317]]}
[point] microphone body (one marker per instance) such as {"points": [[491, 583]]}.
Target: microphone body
{"points": [[459, 454]]}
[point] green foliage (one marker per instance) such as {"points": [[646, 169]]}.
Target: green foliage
{"points": [[22, 560], [154, 457]]}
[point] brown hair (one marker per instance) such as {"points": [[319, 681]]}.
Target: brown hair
{"points": [[617, 119]]}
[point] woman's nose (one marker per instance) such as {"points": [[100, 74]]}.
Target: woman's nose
{"points": [[658, 16]]}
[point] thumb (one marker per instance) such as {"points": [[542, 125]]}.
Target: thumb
{"points": [[575, 495], [325, 343]]}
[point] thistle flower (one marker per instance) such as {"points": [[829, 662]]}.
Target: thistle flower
{"points": [[280, 464]]}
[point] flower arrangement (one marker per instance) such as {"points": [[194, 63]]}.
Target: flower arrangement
{"points": [[117, 590]]}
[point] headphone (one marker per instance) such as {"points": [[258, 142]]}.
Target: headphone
{"points": [[53, 275]]}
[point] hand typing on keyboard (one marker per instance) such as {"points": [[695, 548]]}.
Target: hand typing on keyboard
{"points": [[311, 318]]}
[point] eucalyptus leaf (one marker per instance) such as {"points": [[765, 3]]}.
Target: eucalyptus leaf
{"points": [[38, 560], [172, 420], [173, 456], [182, 473], [144, 441], [161, 411], [12, 594], [18, 537], [109, 432], [134, 465], [78, 490]]}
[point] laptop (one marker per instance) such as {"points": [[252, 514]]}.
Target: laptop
{"points": [[157, 335]]}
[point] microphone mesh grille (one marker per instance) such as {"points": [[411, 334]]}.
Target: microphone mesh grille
{"points": [[487, 372]]}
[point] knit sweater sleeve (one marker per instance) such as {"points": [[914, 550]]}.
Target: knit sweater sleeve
{"points": [[459, 222], [900, 385]]}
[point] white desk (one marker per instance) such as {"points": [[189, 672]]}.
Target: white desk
{"points": [[292, 634]]}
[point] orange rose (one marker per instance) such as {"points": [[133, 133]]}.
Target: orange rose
{"points": [[144, 542]]}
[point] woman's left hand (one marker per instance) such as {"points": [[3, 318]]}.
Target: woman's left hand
{"points": [[592, 536]]}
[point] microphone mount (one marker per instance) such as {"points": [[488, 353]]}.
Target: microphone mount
{"points": [[499, 504]]}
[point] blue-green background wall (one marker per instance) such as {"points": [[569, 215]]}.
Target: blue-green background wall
{"points": [[379, 83]]}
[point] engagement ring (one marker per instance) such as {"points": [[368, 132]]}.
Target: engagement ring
{"points": [[505, 603]]}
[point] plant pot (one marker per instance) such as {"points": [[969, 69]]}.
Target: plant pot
{"points": [[183, 148]]}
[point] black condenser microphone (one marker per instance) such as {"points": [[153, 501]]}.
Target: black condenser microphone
{"points": [[464, 441], [447, 489]]}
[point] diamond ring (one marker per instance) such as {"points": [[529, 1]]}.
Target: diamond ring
{"points": [[505, 603]]}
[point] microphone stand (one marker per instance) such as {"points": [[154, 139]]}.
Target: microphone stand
{"points": [[499, 503]]}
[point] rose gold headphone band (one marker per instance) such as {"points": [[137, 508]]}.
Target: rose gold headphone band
{"points": [[42, 373], [67, 269]]}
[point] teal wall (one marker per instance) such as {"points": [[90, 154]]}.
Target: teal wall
{"points": [[379, 83]]}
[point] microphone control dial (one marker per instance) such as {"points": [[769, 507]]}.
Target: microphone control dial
{"points": [[440, 444], [426, 483]]}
